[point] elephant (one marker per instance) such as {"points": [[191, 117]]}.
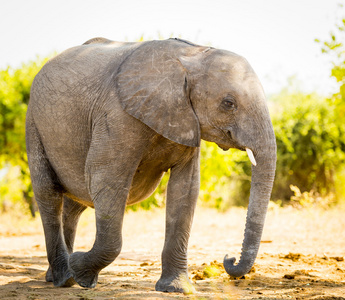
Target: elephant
{"points": [[107, 119]]}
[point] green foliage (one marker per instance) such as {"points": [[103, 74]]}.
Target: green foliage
{"points": [[310, 145], [310, 134], [334, 48], [14, 97], [224, 177]]}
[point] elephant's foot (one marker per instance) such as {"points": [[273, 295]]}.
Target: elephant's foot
{"points": [[68, 281], [82, 274], [49, 275], [175, 284], [64, 280]]}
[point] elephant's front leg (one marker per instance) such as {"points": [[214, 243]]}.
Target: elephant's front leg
{"points": [[182, 193]]}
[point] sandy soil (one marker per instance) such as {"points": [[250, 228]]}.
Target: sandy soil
{"points": [[301, 257]]}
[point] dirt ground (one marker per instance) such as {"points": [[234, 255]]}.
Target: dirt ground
{"points": [[301, 257]]}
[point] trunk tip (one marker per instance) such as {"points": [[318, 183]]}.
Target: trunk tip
{"points": [[229, 260], [236, 271], [229, 263]]}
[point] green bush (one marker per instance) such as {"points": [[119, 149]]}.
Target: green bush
{"points": [[225, 177], [311, 145], [15, 182]]}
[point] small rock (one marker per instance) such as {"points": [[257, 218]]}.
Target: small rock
{"points": [[293, 256], [198, 276], [338, 258], [237, 278], [144, 264]]}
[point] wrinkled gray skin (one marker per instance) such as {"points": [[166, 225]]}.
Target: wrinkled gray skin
{"points": [[107, 119]]}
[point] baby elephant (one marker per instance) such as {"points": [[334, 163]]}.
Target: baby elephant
{"points": [[107, 119]]}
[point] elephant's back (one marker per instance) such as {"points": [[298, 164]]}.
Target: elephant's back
{"points": [[72, 87], [66, 97]]}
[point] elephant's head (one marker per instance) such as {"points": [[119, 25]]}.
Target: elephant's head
{"points": [[186, 93]]}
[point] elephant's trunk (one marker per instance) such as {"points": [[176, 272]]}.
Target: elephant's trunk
{"points": [[260, 192]]}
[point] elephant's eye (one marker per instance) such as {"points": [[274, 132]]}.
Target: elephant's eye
{"points": [[228, 104]]}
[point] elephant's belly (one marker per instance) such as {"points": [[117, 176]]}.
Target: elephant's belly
{"points": [[143, 185]]}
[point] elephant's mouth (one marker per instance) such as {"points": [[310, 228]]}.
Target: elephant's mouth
{"points": [[223, 147], [234, 144], [231, 143]]}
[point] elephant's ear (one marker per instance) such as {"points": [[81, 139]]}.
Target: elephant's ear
{"points": [[152, 86]]}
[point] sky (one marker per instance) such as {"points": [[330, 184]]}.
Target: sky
{"points": [[275, 36]]}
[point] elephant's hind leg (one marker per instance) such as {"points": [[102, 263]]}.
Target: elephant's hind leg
{"points": [[50, 207], [48, 194], [72, 211]]}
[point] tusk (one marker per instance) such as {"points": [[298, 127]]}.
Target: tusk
{"points": [[251, 156]]}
